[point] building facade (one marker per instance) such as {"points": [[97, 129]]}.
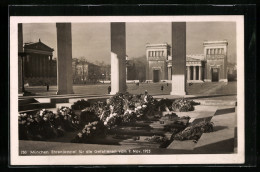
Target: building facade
{"points": [[157, 56], [215, 54], [208, 67], [39, 65], [85, 72]]}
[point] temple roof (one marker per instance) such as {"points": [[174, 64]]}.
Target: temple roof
{"points": [[38, 46], [195, 57]]}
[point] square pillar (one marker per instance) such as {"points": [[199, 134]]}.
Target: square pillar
{"points": [[64, 60], [200, 73], [194, 72], [188, 72], [118, 58], [178, 58]]}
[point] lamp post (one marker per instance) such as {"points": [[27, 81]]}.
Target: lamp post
{"points": [[103, 76], [22, 55]]}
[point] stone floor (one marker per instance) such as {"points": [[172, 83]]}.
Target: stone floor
{"points": [[217, 104], [152, 88], [222, 140]]}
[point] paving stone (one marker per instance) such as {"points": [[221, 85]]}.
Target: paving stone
{"points": [[222, 139], [182, 145]]}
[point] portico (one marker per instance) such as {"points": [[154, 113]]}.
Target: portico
{"points": [[194, 68]]}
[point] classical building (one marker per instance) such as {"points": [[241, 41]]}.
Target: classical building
{"points": [[157, 62], [39, 66], [208, 67], [215, 54]]}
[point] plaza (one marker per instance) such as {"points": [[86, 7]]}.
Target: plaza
{"points": [[183, 79]]}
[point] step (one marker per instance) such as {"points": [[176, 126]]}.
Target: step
{"points": [[43, 100], [222, 139], [224, 110], [73, 100], [35, 106], [26, 101], [204, 108], [137, 132], [216, 102], [182, 145], [198, 114], [33, 111], [139, 124], [59, 105]]}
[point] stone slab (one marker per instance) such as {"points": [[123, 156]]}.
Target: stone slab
{"points": [[59, 105], [222, 139], [182, 145]]}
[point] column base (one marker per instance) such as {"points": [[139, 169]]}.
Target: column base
{"points": [[207, 80], [113, 93], [178, 93], [223, 80], [195, 81], [64, 92]]}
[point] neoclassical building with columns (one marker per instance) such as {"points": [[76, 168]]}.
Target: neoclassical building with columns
{"points": [[208, 67]]}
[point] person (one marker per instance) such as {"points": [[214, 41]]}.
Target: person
{"points": [[109, 89], [162, 88], [47, 86], [145, 96]]}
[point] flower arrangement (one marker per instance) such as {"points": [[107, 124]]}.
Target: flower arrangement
{"points": [[157, 139], [182, 105], [44, 124], [80, 104], [69, 120], [194, 132], [178, 125], [164, 105], [89, 131], [88, 115]]}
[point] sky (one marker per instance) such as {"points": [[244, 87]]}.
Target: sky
{"points": [[92, 40]]}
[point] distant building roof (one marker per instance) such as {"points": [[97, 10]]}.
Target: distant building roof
{"points": [[157, 45], [38, 46], [195, 57], [215, 42]]}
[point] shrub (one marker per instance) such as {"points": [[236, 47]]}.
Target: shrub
{"points": [[80, 105]]}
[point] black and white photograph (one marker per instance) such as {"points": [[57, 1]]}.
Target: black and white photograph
{"points": [[127, 90]]}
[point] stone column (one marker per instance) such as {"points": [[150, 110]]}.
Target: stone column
{"points": [[64, 60], [20, 50], [118, 58], [194, 72], [188, 72], [169, 73], [178, 58], [200, 72], [48, 67]]}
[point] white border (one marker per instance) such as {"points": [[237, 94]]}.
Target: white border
{"points": [[238, 158]]}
